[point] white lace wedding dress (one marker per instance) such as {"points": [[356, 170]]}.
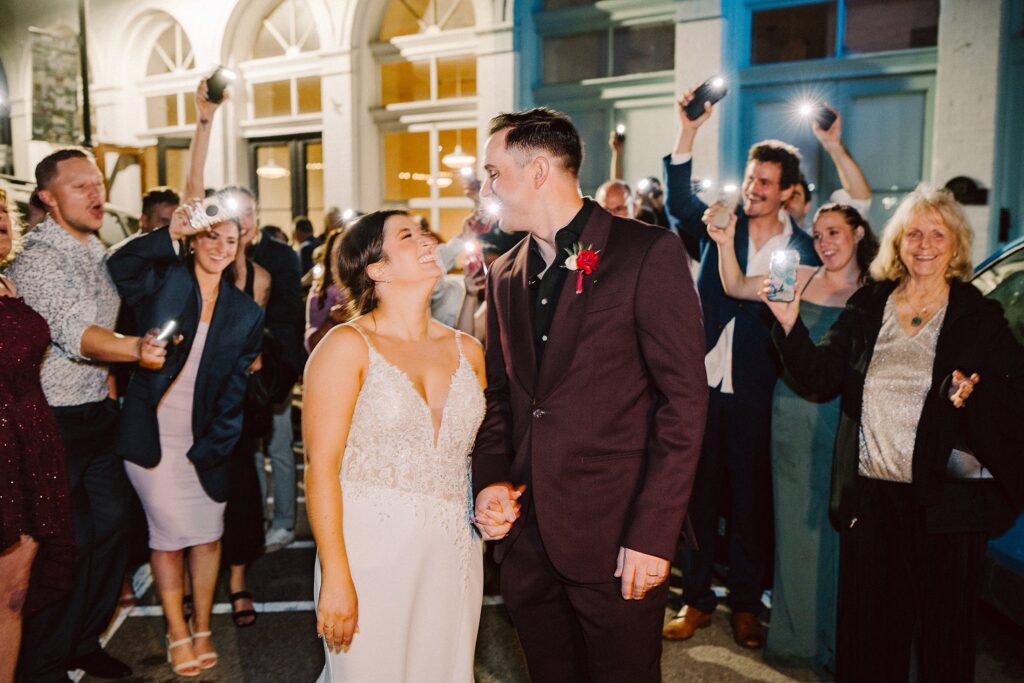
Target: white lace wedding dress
{"points": [[415, 558]]}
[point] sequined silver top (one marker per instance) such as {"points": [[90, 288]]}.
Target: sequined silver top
{"points": [[67, 283], [898, 380]]}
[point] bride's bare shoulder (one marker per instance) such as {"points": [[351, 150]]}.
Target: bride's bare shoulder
{"points": [[342, 347]]}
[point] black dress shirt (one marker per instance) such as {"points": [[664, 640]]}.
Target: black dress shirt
{"points": [[545, 290]]}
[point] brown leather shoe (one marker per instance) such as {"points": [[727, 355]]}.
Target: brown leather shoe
{"points": [[686, 624], [747, 630]]}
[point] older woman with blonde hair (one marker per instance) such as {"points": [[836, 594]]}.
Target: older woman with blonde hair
{"points": [[927, 461]]}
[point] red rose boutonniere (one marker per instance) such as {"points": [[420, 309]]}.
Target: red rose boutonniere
{"points": [[583, 261]]}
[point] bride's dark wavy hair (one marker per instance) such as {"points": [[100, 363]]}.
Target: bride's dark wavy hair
{"points": [[361, 246]]}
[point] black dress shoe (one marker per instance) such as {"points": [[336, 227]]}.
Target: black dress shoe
{"points": [[101, 665]]}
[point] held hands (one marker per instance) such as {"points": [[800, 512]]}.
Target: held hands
{"points": [[786, 312], [497, 510], [152, 353], [724, 235], [961, 387], [639, 572], [337, 613]]}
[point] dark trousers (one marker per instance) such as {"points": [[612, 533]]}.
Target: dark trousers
{"points": [[735, 458], [99, 503], [574, 632], [905, 595]]}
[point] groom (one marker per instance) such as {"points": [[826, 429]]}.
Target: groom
{"points": [[595, 411]]}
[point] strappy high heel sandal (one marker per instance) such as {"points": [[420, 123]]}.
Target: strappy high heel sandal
{"points": [[207, 660], [187, 669]]}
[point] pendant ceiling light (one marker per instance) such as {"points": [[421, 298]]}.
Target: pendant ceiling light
{"points": [[271, 171]]}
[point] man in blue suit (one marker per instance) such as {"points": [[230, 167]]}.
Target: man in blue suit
{"points": [[742, 370]]}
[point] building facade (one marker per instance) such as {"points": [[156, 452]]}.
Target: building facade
{"points": [[369, 103]]}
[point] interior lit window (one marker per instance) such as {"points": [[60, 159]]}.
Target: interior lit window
{"points": [[288, 30], [406, 17], [171, 52]]}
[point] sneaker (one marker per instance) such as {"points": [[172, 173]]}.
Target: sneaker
{"points": [[277, 539]]}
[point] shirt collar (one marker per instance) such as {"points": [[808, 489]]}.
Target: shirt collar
{"points": [[50, 232], [570, 234]]}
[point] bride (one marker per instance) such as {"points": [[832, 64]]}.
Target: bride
{"points": [[392, 404]]}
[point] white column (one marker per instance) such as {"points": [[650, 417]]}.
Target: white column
{"points": [[341, 159], [966, 103], [496, 77], [699, 27]]}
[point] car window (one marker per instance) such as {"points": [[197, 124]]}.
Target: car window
{"points": [[1004, 282]]}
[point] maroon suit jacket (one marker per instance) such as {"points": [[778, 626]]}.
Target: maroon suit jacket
{"points": [[608, 429]]}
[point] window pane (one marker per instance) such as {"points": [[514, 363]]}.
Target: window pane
{"points": [[456, 76], [158, 63], [309, 94], [275, 193], [149, 157], [162, 111], [878, 25], [639, 49], [315, 185], [575, 58], [272, 99], [406, 17], [177, 167], [448, 181], [404, 82], [1005, 283], [450, 222], [406, 165], [190, 107], [793, 33]]}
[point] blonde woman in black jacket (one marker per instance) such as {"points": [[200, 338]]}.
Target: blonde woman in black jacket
{"points": [[929, 458]]}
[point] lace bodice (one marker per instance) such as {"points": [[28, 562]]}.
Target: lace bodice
{"points": [[391, 443]]}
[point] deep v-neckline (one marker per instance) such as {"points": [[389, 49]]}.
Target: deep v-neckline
{"points": [[421, 398]]}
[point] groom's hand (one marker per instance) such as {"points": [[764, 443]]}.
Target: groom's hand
{"points": [[639, 572], [497, 509]]}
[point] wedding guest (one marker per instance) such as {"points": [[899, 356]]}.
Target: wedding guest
{"points": [[305, 242], [927, 458], [616, 198], [61, 275], [742, 372], [327, 303], [158, 204], [180, 422], [36, 538], [802, 631], [392, 403], [855, 191]]}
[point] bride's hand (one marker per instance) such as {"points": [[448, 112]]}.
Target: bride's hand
{"points": [[337, 613]]}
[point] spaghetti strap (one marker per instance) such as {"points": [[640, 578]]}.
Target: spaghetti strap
{"points": [[458, 342], [362, 333], [813, 275]]}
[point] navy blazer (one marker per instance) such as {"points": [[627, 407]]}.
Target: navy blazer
{"points": [[751, 340], [158, 285]]}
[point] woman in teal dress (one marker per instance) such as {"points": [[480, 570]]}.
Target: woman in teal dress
{"points": [[803, 616]]}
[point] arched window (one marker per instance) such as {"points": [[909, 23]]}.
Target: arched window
{"points": [[168, 106], [288, 32], [171, 52], [427, 65]]}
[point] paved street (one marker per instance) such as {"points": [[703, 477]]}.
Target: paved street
{"points": [[282, 646]]}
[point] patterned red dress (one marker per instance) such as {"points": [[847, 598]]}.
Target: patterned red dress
{"points": [[33, 479]]}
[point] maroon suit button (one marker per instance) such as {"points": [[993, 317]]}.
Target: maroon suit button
{"points": [[538, 413]]}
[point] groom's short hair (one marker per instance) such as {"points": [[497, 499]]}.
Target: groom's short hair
{"points": [[542, 128]]}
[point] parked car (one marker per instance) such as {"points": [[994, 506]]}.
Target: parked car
{"points": [[1001, 277], [117, 222]]}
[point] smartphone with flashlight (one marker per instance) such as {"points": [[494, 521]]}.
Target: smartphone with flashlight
{"points": [[620, 132], [824, 117], [474, 262], [782, 275], [725, 206], [711, 90], [210, 211], [167, 330], [216, 84]]}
